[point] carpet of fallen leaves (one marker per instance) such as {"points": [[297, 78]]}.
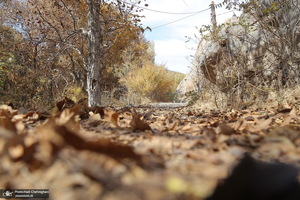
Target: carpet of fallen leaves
{"points": [[138, 152]]}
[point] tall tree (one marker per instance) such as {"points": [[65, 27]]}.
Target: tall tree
{"points": [[67, 48], [118, 16], [95, 46]]}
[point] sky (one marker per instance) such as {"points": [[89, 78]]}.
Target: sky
{"points": [[171, 47]]}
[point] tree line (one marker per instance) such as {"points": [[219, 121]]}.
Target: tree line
{"points": [[55, 48]]}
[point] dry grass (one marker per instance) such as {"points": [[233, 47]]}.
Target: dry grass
{"points": [[152, 82], [283, 99], [213, 99]]}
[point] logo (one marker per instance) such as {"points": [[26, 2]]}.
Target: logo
{"points": [[7, 194]]}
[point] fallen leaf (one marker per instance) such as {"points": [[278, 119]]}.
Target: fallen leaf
{"points": [[112, 116], [289, 117], [66, 103], [98, 109], [104, 146], [261, 125], [225, 129], [138, 124], [7, 123]]}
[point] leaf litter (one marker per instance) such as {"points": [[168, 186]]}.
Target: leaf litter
{"points": [[107, 153]]}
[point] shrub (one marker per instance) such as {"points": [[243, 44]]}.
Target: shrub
{"points": [[153, 82]]}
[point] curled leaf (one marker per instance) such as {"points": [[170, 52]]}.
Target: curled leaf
{"points": [[138, 124], [225, 129]]}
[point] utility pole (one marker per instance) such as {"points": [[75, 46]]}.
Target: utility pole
{"points": [[213, 18]]}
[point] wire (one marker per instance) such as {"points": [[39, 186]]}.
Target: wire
{"points": [[188, 17], [180, 19], [164, 12]]}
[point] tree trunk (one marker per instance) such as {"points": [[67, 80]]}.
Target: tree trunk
{"points": [[95, 66]]}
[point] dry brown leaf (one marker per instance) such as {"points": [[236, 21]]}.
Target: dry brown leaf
{"points": [[98, 109], [69, 118], [286, 131], [4, 133], [289, 117], [66, 103], [209, 133], [94, 120], [100, 167], [186, 127], [104, 146], [80, 155], [225, 129], [6, 120], [261, 125], [47, 133], [138, 124], [112, 116], [8, 109], [81, 109], [18, 150], [6, 123], [190, 114]]}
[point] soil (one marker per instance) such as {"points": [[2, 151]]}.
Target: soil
{"points": [[150, 153]]}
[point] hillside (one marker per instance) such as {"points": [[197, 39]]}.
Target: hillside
{"points": [[249, 59]]}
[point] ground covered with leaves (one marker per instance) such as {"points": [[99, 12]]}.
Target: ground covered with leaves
{"points": [[149, 153]]}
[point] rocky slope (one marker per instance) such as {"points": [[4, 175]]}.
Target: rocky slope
{"points": [[260, 47]]}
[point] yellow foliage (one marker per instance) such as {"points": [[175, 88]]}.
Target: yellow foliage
{"points": [[75, 93], [153, 82]]}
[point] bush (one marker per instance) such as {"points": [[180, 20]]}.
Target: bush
{"points": [[153, 82]]}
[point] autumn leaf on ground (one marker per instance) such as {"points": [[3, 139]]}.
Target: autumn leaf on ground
{"points": [[6, 122], [106, 118], [8, 109], [66, 103], [138, 124], [94, 120], [290, 116], [83, 110], [18, 150], [6, 118], [112, 116], [104, 146], [261, 125], [225, 129], [78, 154], [102, 168], [98, 109]]}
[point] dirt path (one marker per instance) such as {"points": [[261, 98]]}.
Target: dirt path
{"points": [[157, 152]]}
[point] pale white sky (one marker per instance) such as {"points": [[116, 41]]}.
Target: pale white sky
{"points": [[170, 41]]}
